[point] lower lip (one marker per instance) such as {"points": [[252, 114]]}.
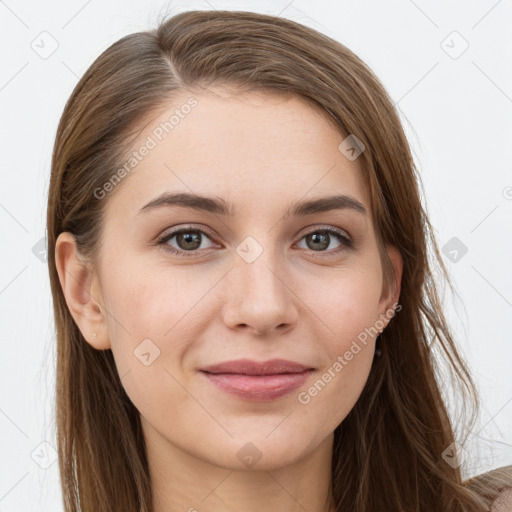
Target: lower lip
{"points": [[258, 388]]}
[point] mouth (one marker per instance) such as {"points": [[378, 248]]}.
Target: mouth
{"points": [[258, 382]]}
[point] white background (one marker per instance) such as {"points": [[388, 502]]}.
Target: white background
{"points": [[457, 113]]}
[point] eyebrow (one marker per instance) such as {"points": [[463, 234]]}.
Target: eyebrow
{"points": [[221, 207]]}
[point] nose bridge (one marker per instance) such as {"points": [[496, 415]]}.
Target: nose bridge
{"points": [[258, 296], [261, 278]]}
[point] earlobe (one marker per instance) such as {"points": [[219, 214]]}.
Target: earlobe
{"points": [[84, 301]]}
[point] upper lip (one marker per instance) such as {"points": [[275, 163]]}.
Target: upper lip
{"points": [[249, 367]]}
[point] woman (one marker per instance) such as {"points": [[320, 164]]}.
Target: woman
{"points": [[246, 316]]}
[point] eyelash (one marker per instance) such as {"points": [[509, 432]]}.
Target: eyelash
{"points": [[347, 244]]}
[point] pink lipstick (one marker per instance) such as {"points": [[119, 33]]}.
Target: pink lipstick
{"points": [[258, 382]]}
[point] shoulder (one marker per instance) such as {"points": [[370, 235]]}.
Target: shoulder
{"points": [[495, 486]]}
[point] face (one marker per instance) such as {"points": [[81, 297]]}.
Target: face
{"points": [[186, 285]]}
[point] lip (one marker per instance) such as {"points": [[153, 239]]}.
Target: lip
{"points": [[255, 381]]}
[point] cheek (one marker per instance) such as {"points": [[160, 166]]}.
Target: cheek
{"points": [[350, 310], [152, 300], [349, 306], [155, 314], [150, 329]]}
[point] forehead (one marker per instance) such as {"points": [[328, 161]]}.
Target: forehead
{"points": [[256, 149]]}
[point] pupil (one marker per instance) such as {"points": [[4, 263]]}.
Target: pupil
{"points": [[317, 237], [189, 240]]}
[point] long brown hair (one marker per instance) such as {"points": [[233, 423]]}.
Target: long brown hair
{"points": [[388, 450]]}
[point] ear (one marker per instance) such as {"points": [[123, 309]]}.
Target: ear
{"points": [[82, 292], [389, 300]]}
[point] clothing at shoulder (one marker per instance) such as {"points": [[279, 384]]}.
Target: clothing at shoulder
{"points": [[495, 486]]}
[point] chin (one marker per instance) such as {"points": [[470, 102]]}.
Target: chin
{"points": [[258, 453]]}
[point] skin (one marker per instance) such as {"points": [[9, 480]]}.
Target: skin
{"points": [[260, 152]]}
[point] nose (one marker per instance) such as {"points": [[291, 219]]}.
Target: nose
{"points": [[258, 298]]}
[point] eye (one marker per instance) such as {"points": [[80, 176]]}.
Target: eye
{"points": [[321, 238], [189, 240]]}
